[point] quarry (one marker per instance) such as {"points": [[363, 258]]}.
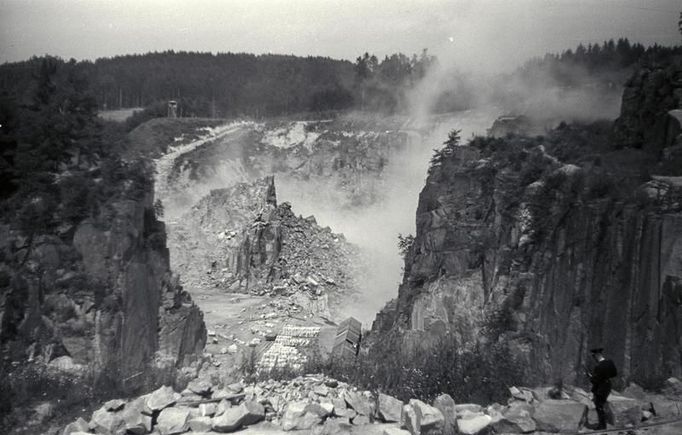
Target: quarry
{"points": [[217, 242]]}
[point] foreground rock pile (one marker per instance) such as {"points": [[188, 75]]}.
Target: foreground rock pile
{"points": [[322, 405]]}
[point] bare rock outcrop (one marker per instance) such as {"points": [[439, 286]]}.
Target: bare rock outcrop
{"points": [[104, 297]]}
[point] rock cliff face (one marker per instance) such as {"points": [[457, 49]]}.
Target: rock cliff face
{"points": [[104, 297], [648, 96], [553, 256]]}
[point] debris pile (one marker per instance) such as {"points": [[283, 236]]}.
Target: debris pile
{"points": [[239, 240], [321, 404]]}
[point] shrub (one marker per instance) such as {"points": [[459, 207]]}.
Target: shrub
{"points": [[481, 374]]}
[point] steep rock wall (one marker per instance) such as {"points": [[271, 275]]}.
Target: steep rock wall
{"points": [[104, 297], [568, 271], [556, 257]]}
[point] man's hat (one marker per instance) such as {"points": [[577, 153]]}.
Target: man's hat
{"points": [[597, 350]]}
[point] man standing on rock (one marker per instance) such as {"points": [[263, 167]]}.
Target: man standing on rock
{"points": [[601, 383]]}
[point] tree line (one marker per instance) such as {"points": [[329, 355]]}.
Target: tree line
{"points": [[609, 62], [237, 84]]}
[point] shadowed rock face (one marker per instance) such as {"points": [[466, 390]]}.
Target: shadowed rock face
{"points": [[106, 298], [648, 96], [557, 263]]}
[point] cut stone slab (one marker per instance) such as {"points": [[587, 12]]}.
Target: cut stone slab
{"points": [[565, 416], [395, 431], [172, 421]]}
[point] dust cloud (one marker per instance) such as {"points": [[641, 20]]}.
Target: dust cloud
{"points": [[474, 81], [375, 227]]}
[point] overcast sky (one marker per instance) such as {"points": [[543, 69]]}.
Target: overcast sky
{"points": [[491, 33]]}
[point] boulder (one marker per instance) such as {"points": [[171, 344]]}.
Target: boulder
{"points": [[135, 421], [297, 417], [409, 419], [665, 408], [473, 423], [360, 420], [247, 413], [162, 398], [235, 388], [430, 419], [114, 405], [223, 406], [460, 408], [201, 424], [673, 387], [515, 424], [321, 390], [105, 422], [253, 412], [173, 421], [327, 406], [446, 405], [359, 402], [626, 412], [389, 408], [202, 387], [79, 425], [319, 410], [228, 421], [333, 426], [634, 391], [517, 418], [139, 405], [560, 415], [523, 394], [207, 409]]}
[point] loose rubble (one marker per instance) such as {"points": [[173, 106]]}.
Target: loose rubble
{"points": [[321, 405]]}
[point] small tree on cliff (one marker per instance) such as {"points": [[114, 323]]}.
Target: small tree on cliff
{"points": [[448, 149]]}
